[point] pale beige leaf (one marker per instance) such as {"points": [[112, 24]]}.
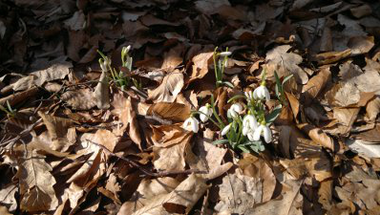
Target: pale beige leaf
{"points": [[173, 57], [239, 194], [201, 64], [58, 131], [316, 84], [168, 90], [289, 204], [373, 109], [36, 184], [148, 191], [325, 194], [123, 109], [172, 157], [257, 168], [101, 93], [171, 111], [288, 63], [81, 99], [360, 44], [209, 159], [186, 194], [7, 197], [317, 135]]}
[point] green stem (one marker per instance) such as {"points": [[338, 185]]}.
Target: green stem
{"points": [[213, 121], [214, 111]]}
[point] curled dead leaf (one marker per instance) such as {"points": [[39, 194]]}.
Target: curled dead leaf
{"points": [[171, 111]]}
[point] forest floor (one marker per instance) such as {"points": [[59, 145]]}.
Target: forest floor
{"points": [[180, 122]]}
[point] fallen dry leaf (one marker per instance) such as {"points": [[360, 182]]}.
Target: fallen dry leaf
{"points": [[318, 136], [101, 93], [36, 184], [170, 87], [186, 194], [171, 111], [287, 63], [249, 194]]}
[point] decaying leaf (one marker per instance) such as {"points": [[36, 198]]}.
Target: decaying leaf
{"points": [[101, 93], [81, 99], [186, 194], [36, 184], [287, 63], [249, 194], [318, 136], [201, 64], [171, 111], [168, 90], [315, 85]]}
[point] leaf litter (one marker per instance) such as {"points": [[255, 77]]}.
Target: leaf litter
{"points": [[74, 143]]}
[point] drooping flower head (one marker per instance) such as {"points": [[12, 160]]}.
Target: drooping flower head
{"points": [[207, 112], [191, 124], [234, 110]]}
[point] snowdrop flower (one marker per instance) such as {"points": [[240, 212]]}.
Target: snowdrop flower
{"points": [[249, 126], [225, 54], [261, 93], [125, 50], [264, 131], [104, 64], [226, 129], [234, 110], [207, 112], [191, 124]]}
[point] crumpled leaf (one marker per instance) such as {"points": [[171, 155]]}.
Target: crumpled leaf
{"points": [[171, 111], [170, 154], [7, 197], [287, 63], [368, 149], [201, 64], [239, 194], [56, 71], [36, 184], [315, 85], [186, 194], [373, 109], [58, 130], [259, 169], [317, 135], [124, 110], [168, 90], [81, 99], [290, 203]]}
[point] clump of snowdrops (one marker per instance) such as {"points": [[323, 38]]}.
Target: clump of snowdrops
{"points": [[249, 121], [120, 78]]}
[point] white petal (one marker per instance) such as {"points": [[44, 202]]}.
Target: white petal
{"points": [[250, 136], [186, 124], [266, 94], [245, 131], [267, 134], [226, 129], [203, 116], [223, 54], [257, 133], [194, 124], [237, 107], [256, 92]]}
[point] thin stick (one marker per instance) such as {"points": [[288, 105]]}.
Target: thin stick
{"points": [[143, 169]]}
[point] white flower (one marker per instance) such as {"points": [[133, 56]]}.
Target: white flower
{"points": [[261, 93], [191, 124], [226, 129], [207, 112], [104, 64], [125, 50], [264, 131], [224, 54], [249, 126], [234, 110]]}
